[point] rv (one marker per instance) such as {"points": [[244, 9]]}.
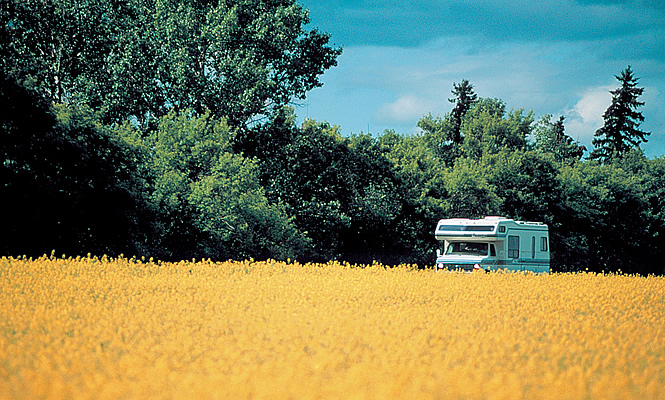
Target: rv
{"points": [[492, 243]]}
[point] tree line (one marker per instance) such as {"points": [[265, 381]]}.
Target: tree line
{"points": [[163, 129]]}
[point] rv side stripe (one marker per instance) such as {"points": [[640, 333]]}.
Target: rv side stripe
{"points": [[523, 261]]}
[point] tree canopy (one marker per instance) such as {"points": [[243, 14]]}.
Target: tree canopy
{"points": [[140, 59]]}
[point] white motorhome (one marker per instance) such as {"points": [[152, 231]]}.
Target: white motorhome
{"points": [[492, 243]]}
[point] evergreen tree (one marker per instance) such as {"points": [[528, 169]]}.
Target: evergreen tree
{"points": [[464, 98], [444, 135], [619, 133]]}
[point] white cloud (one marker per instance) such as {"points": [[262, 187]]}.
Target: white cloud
{"points": [[586, 116], [405, 109]]}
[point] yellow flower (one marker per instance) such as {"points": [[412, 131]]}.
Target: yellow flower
{"points": [[124, 328]]}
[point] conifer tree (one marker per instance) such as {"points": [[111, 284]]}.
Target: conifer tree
{"points": [[620, 131], [464, 98]]}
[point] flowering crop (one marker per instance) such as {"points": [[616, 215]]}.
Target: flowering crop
{"points": [[117, 328]]}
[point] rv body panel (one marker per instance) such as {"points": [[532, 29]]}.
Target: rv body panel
{"points": [[492, 243]]}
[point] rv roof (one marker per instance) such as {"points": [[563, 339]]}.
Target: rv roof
{"points": [[473, 221], [484, 221]]}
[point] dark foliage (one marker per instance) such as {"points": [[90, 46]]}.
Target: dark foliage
{"points": [[67, 186]]}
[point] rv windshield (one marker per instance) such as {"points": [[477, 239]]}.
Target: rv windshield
{"points": [[467, 248]]}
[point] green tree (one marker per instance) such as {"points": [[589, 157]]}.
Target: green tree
{"points": [[140, 59], [487, 129], [606, 219], [342, 191], [210, 202], [444, 135], [526, 183], [469, 194], [620, 131], [463, 98], [306, 169], [654, 190], [419, 170], [55, 46], [421, 174], [650, 175], [552, 139], [437, 133]]}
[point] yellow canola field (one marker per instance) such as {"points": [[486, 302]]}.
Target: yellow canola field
{"points": [[124, 329]]}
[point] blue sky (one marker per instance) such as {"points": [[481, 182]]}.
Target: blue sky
{"points": [[556, 57]]}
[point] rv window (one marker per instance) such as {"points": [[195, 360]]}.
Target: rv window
{"points": [[480, 228], [471, 228], [533, 247], [492, 250], [467, 248], [513, 246], [543, 244]]}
